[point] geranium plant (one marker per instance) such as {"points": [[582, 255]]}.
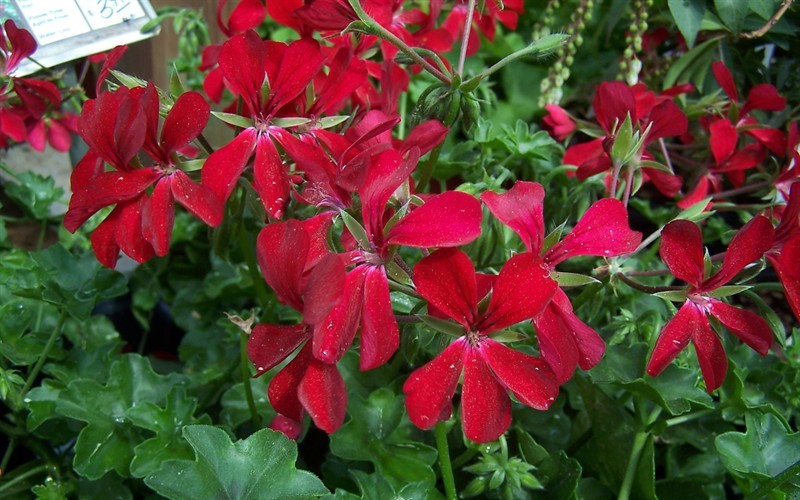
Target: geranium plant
{"points": [[372, 249]]}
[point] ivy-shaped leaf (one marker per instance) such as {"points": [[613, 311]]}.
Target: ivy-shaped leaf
{"points": [[375, 487], [261, 466], [765, 450], [34, 193], [167, 423], [104, 444], [374, 433]]}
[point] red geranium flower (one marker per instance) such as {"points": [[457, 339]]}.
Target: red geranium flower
{"points": [[15, 45], [295, 261], [447, 280], [564, 340], [785, 252], [682, 252]]}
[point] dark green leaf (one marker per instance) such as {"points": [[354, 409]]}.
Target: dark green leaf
{"points": [[261, 466], [34, 193], [732, 13], [688, 14]]}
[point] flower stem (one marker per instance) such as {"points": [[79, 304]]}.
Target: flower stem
{"points": [[775, 482], [248, 390], [444, 461], [465, 38], [43, 356], [633, 463], [381, 32], [25, 475], [262, 293], [646, 288]]}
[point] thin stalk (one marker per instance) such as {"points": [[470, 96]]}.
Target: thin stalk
{"points": [[744, 189], [260, 285], [248, 390], [444, 461], [43, 356], [205, 144], [628, 187], [615, 179], [775, 482], [7, 455], [633, 463], [397, 287], [464, 458], [682, 419], [465, 37], [644, 244], [23, 476], [379, 31], [646, 288]]}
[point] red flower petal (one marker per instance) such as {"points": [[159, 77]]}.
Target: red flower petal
{"points": [[282, 390], [223, 167], [268, 345], [667, 120], [287, 426], [556, 345], [723, 139], [710, 354], [446, 279], [751, 328], [786, 268], [197, 199], [675, 336], [269, 178], [748, 245], [429, 389], [725, 80], [613, 101], [21, 42], [103, 242], [336, 332], [528, 378], [281, 249], [323, 395], [485, 406], [242, 62], [246, 15], [764, 97], [522, 290], [602, 231], [158, 217], [522, 209], [324, 288], [301, 61], [380, 335], [450, 219], [772, 139], [386, 173], [425, 136], [682, 251], [185, 121], [129, 231]]}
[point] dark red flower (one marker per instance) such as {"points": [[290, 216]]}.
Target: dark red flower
{"points": [[564, 340], [15, 45], [447, 280], [785, 252], [116, 126], [682, 252], [295, 261], [558, 123]]}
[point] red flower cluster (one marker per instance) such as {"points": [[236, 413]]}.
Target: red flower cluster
{"points": [[30, 108]]}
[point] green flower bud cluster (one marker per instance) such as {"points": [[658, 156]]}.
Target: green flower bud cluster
{"points": [[630, 66], [552, 86]]}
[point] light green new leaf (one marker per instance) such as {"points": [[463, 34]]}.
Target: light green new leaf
{"points": [[260, 467]]}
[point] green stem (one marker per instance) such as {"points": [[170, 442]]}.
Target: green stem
{"points": [[7, 455], [444, 461], [682, 419], [633, 463], [246, 246], [43, 356], [248, 390], [775, 482], [379, 31], [397, 287], [465, 38], [464, 458], [23, 476]]}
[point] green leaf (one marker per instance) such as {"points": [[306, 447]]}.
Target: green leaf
{"points": [[688, 14], [732, 13], [72, 282], [356, 229], [697, 59], [332, 121], [378, 433], [672, 295], [167, 423], [728, 290], [104, 444], [572, 279], [292, 121], [52, 490], [34, 193], [235, 410], [234, 119], [442, 325], [765, 450], [622, 142], [261, 466], [696, 212]]}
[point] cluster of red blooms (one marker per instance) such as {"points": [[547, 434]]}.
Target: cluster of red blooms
{"points": [[31, 109], [289, 145]]}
